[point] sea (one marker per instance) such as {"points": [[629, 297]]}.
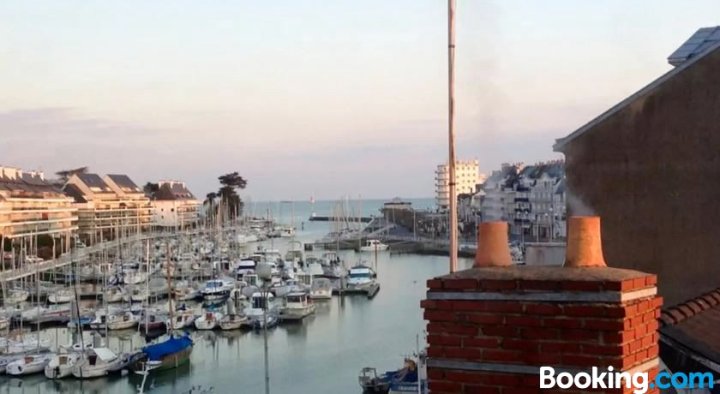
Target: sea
{"points": [[322, 354]]}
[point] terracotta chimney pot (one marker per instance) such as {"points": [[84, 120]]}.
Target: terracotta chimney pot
{"points": [[493, 249], [584, 244]]}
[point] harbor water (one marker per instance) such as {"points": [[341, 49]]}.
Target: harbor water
{"points": [[322, 354]]}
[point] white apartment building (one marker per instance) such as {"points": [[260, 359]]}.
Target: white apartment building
{"points": [[467, 176], [174, 206], [108, 207], [32, 207]]}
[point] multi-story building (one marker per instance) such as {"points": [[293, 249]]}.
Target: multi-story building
{"points": [[174, 206], [530, 198], [30, 207], [108, 207], [467, 176]]}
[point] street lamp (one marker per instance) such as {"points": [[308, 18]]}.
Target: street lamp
{"points": [[264, 272]]}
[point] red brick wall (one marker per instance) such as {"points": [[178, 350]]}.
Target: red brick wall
{"points": [[570, 332]]}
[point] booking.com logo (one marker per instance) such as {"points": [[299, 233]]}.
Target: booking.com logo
{"points": [[611, 379]]}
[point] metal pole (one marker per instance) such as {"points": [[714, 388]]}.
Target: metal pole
{"points": [[451, 136], [265, 338]]}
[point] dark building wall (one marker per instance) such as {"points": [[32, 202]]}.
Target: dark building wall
{"points": [[652, 172]]}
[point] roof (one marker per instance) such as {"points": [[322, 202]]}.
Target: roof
{"points": [[104, 353], [692, 328], [702, 40], [75, 192], [94, 180], [124, 182], [692, 60], [27, 185]]}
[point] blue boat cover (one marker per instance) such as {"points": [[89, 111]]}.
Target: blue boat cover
{"points": [[171, 346]]}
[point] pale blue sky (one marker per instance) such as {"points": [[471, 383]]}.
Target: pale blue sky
{"points": [[322, 98]]}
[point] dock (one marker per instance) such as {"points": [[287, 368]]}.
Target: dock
{"points": [[339, 219]]}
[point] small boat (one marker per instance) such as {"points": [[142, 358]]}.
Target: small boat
{"points": [[186, 292], [297, 307], [360, 277], [114, 294], [126, 361], [95, 363], [271, 320], [208, 321], [373, 245], [4, 323], [321, 289], [24, 346], [122, 321], [62, 364], [29, 364], [17, 297], [411, 378], [217, 289], [134, 277], [232, 320], [136, 294], [62, 296], [152, 320], [52, 313], [170, 353], [182, 318]]}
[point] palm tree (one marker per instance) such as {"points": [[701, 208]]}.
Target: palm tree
{"points": [[209, 203], [228, 193], [150, 189], [67, 174]]}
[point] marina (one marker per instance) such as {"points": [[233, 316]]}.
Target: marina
{"points": [[224, 319]]}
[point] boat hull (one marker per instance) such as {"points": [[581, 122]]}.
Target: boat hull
{"points": [[170, 361]]}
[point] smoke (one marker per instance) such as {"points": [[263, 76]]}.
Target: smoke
{"points": [[576, 206]]}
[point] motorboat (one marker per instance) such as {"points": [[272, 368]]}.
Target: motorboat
{"points": [[217, 289], [244, 267], [297, 306], [284, 288], [95, 363], [360, 277], [4, 322], [134, 277], [209, 320], [29, 364], [411, 378], [61, 296], [373, 245], [256, 310], [321, 289]]}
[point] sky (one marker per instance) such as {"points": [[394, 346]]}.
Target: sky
{"points": [[316, 98]]}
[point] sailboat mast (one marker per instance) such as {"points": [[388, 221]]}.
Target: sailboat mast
{"points": [[170, 288], [147, 284], [452, 226]]}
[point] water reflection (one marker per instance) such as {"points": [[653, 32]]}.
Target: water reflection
{"points": [[322, 354]]}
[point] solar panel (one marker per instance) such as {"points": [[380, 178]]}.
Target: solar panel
{"points": [[703, 39]]}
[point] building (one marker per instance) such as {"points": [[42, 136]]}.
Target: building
{"points": [[467, 176], [648, 167], [174, 206], [108, 207], [32, 208], [530, 198]]}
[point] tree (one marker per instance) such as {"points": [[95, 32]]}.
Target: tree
{"points": [[67, 174], [151, 190], [209, 204], [229, 198]]}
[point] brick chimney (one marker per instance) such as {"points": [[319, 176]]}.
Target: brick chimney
{"points": [[491, 328]]}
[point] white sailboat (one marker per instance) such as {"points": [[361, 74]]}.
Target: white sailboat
{"points": [[208, 321], [29, 364], [61, 296]]}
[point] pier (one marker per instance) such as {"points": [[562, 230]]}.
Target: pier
{"points": [[339, 219]]}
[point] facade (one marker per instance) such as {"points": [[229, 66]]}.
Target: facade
{"points": [[648, 166], [174, 206], [467, 176], [530, 198], [108, 207], [31, 207]]}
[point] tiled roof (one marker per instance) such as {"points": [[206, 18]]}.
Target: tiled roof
{"points": [[694, 325], [124, 181], [28, 185], [94, 180]]}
